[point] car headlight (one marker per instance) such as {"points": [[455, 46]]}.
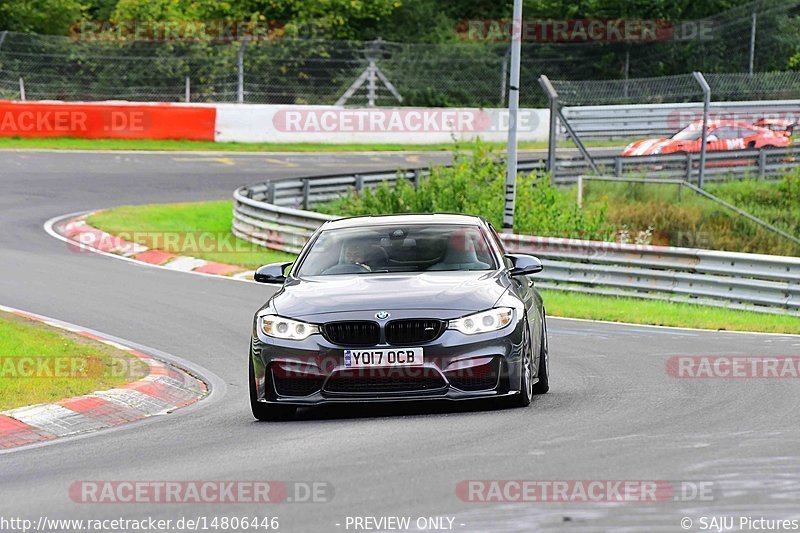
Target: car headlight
{"points": [[483, 322], [286, 328]]}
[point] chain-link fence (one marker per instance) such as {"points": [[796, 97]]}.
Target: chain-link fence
{"points": [[766, 36]]}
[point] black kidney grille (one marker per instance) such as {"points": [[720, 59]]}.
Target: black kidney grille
{"points": [[352, 333], [413, 331]]}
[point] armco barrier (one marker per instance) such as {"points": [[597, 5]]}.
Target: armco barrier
{"points": [[274, 214], [107, 120], [663, 120]]}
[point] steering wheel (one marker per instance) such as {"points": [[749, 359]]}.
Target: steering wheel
{"points": [[346, 268]]}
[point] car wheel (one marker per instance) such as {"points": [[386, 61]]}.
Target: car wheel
{"points": [[264, 411], [523, 399], [543, 385]]}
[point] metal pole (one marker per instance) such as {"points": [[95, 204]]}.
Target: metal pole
{"points": [[3, 37], [504, 77], [188, 90], [580, 191], [513, 108], [240, 69], [627, 68], [552, 95], [706, 103], [22, 89], [752, 42], [371, 84]]}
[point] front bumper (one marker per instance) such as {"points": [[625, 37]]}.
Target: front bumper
{"points": [[456, 367]]}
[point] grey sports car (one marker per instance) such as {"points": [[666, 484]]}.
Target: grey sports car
{"points": [[399, 307]]}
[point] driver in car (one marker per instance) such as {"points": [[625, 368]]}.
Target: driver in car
{"points": [[355, 255]]}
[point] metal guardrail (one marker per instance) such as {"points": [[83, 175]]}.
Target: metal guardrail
{"points": [[274, 214], [663, 120], [763, 163]]}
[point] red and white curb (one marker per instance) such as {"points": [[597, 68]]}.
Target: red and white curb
{"points": [[164, 389], [84, 237]]}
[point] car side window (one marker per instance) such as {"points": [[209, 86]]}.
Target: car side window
{"points": [[726, 133]]}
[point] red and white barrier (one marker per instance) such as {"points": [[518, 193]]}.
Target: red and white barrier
{"points": [[264, 123]]}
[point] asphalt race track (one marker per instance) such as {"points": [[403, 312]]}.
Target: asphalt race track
{"points": [[613, 412]]}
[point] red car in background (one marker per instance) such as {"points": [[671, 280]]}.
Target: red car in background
{"points": [[722, 135]]}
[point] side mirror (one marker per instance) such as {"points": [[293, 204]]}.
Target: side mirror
{"points": [[524, 264], [272, 273]]}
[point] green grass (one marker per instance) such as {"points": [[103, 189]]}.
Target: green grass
{"points": [[697, 222], [97, 366], [65, 143], [201, 230], [661, 313]]}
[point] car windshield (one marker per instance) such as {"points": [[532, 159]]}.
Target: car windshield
{"points": [[397, 248], [689, 133]]}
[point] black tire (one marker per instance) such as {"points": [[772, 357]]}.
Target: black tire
{"points": [[525, 396], [543, 385], [266, 412]]}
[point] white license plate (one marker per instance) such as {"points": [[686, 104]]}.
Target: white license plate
{"points": [[383, 357]]}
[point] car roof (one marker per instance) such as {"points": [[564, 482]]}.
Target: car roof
{"points": [[426, 219], [698, 124]]}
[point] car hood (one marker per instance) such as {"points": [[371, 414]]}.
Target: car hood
{"points": [[646, 146], [459, 291]]}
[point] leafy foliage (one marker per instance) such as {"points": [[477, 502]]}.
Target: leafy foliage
{"points": [[475, 185]]}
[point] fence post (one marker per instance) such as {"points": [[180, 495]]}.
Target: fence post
{"points": [[21, 89], [188, 90], [752, 41], [552, 95], [306, 191], [580, 191], [513, 109], [240, 72], [762, 163], [706, 103]]}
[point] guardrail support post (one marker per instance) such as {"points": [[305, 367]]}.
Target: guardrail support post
{"points": [[417, 177], [271, 193], [306, 191], [762, 163], [580, 191], [617, 166], [359, 182], [680, 192], [688, 176]]}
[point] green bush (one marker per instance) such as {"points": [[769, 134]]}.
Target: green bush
{"points": [[475, 185]]}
